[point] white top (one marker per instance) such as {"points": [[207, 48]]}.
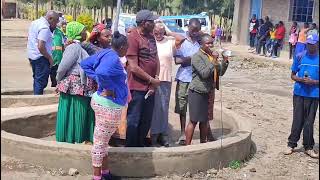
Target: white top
{"points": [[39, 30], [166, 51]]}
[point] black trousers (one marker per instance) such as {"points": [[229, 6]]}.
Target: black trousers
{"points": [[252, 39], [304, 114], [53, 74], [276, 46], [291, 50], [261, 44]]}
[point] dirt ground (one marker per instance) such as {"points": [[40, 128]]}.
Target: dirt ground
{"points": [[260, 91]]}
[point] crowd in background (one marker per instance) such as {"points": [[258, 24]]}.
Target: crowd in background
{"points": [[271, 37]]}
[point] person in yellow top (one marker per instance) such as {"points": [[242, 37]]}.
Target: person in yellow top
{"points": [[302, 38], [272, 39]]}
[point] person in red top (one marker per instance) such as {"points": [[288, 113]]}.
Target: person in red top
{"points": [[253, 29], [143, 78], [280, 33]]}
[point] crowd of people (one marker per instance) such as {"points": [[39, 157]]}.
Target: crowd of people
{"points": [[107, 75], [270, 37]]}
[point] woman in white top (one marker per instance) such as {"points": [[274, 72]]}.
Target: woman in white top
{"points": [[166, 46]]}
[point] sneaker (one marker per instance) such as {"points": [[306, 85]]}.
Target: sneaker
{"points": [[182, 140], [274, 57], [288, 151], [312, 153]]}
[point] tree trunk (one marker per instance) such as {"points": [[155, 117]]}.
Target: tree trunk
{"points": [[106, 11], [112, 8], [138, 5], [51, 4], [74, 12], [94, 13], [101, 12], [37, 9]]}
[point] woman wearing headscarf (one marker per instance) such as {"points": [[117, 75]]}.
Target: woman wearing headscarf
{"points": [[108, 101], [75, 117], [100, 38]]}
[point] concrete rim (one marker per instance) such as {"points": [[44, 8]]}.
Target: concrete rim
{"points": [[122, 158]]}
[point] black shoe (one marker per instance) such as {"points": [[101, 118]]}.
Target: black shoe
{"points": [[164, 141], [154, 140], [106, 176], [211, 138]]}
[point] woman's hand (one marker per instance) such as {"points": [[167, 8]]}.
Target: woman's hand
{"points": [[68, 42]]}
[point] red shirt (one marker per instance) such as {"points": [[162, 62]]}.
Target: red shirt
{"points": [[280, 32], [144, 47]]}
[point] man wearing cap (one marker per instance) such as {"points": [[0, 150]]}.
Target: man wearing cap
{"points": [[305, 73], [143, 71]]}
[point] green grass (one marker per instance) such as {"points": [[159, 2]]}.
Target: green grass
{"points": [[235, 164]]}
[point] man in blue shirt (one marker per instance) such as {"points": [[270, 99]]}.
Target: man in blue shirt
{"points": [[184, 75], [305, 73]]}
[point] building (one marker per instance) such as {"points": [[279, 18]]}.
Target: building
{"points": [[277, 10], [8, 8]]}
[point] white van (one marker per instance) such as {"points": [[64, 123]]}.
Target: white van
{"points": [[183, 21]]}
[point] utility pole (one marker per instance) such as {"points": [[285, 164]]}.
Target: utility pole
{"points": [[116, 21]]}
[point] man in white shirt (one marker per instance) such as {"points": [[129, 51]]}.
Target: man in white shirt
{"points": [[40, 49]]}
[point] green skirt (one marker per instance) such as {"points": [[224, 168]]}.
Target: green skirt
{"points": [[75, 119]]}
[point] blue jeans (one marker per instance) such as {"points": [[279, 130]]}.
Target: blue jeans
{"points": [[41, 71], [139, 117]]}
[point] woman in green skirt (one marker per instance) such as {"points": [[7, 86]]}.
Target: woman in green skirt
{"points": [[75, 117]]}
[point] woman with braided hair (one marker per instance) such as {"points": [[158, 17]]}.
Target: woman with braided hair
{"points": [[109, 100]]}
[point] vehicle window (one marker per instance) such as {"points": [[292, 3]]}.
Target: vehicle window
{"points": [[203, 21], [179, 22]]}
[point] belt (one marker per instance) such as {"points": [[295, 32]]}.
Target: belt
{"points": [[108, 93], [57, 48]]}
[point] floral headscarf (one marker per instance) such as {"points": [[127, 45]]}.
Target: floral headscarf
{"points": [[96, 32], [73, 30]]}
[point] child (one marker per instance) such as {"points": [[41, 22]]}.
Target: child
{"points": [[271, 40], [218, 34]]}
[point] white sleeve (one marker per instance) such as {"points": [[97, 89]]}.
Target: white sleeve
{"points": [[44, 34]]}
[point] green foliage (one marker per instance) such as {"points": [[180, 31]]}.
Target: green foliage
{"points": [[86, 20], [235, 164], [42, 12], [68, 18]]}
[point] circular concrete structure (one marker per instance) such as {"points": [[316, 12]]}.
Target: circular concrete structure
{"points": [[25, 136], [24, 97]]}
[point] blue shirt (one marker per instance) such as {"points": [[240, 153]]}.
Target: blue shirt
{"points": [[310, 65], [187, 49], [106, 68]]}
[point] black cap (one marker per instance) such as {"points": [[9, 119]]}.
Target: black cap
{"points": [[145, 15]]}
